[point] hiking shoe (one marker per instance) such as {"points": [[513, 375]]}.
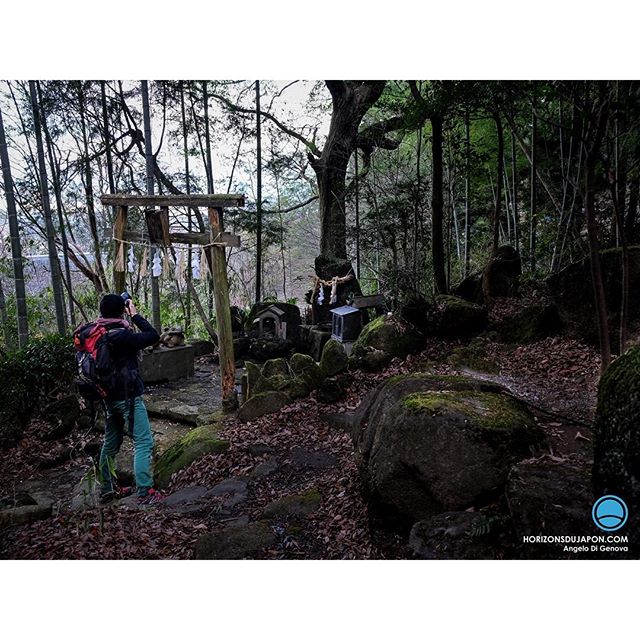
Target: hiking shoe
{"points": [[151, 497], [124, 492], [107, 496]]}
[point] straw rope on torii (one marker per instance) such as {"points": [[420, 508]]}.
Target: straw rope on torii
{"points": [[212, 243]]}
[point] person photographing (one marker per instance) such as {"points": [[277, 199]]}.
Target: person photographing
{"points": [[121, 391]]}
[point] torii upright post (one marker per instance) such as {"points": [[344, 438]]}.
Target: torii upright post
{"points": [[223, 312], [159, 233]]}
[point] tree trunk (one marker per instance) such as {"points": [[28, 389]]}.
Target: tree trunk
{"points": [[16, 247], [437, 206], [514, 194], [155, 288], [57, 191], [187, 179], [594, 244], [54, 263], [467, 184], [349, 105], [499, 177], [88, 186], [356, 186], [532, 213], [630, 226], [258, 197], [207, 137]]}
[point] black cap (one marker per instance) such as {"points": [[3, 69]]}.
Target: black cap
{"points": [[111, 306]]}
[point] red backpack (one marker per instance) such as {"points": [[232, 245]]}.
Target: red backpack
{"points": [[97, 372]]}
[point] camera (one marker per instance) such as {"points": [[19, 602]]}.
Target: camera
{"points": [[126, 297]]}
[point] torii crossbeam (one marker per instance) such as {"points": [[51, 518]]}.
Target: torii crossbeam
{"points": [[159, 234]]}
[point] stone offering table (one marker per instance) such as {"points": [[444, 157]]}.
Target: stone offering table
{"points": [[162, 364]]}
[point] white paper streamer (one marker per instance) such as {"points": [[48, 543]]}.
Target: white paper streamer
{"points": [[131, 263], [195, 265], [156, 269]]}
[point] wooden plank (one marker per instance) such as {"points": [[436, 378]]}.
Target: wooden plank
{"points": [[154, 226], [181, 200], [164, 223], [118, 234], [223, 314], [180, 237], [229, 239]]}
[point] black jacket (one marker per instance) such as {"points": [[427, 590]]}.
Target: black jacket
{"points": [[125, 345]]}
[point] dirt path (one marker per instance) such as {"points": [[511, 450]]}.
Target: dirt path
{"points": [[288, 479]]}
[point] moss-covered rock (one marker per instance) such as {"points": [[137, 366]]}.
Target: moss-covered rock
{"points": [[275, 367], [304, 365], [195, 444], [470, 288], [234, 542], [383, 339], [501, 276], [552, 497], [440, 443], [299, 387], [458, 318], [616, 467], [474, 356], [530, 324], [334, 358], [254, 378], [572, 292], [296, 504], [262, 404]]}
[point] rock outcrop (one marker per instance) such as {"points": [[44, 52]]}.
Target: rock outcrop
{"points": [[195, 444], [439, 443], [382, 340], [501, 276], [616, 467]]}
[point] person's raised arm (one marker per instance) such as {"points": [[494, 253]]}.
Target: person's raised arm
{"points": [[147, 336]]}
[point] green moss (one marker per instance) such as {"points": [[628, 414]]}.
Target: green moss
{"points": [[473, 356], [296, 504], [388, 335], [334, 358], [485, 410], [275, 367], [458, 317], [617, 437], [195, 444], [531, 324]]}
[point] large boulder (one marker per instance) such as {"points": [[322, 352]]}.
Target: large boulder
{"points": [[439, 443], [501, 276], [572, 292], [549, 496], [530, 324], [616, 465], [195, 444], [235, 542], [474, 356], [458, 318], [334, 358], [382, 340], [265, 348], [470, 288], [261, 404], [457, 535]]}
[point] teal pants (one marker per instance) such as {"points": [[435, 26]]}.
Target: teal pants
{"points": [[116, 425]]}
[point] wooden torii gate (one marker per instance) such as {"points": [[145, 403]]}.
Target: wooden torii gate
{"points": [[158, 233]]}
